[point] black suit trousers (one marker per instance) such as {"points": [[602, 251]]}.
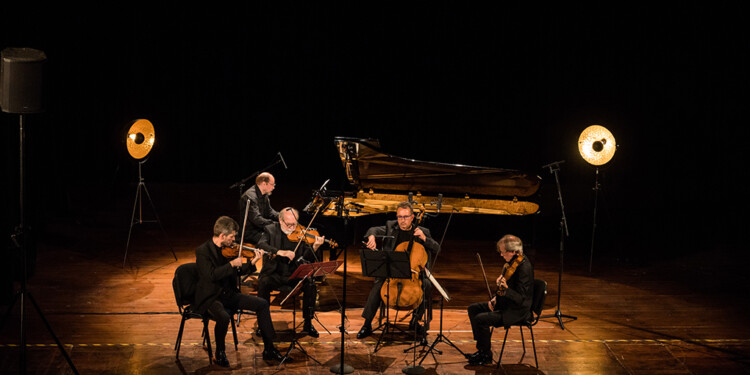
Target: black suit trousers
{"points": [[269, 283], [482, 318], [374, 300], [221, 308]]}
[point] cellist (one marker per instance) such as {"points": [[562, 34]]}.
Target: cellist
{"points": [[511, 302], [396, 232]]}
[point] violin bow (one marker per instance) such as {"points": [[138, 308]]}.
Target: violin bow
{"points": [[244, 224], [485, 276], [304, 232]]}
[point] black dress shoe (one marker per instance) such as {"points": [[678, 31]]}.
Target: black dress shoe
{"points": [[365, 331], [221, 359], [310, 330], [480, 358], [275, 355]]}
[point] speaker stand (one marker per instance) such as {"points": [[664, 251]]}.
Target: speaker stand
{"points": [[22, 293]]}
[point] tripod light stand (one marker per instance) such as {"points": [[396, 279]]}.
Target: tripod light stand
{"points": [[139, 142], [597, 146]]}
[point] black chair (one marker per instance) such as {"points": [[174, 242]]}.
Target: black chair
{"points": [[539, 295], [184, 282]]}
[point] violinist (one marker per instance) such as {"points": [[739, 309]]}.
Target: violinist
{"points": [[511, 302], [217, 293], [396, 232], [260, 211], [282, 260]]}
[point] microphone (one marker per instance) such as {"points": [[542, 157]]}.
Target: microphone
{"points": [[556, 163], [282, 160], [322, 187]]}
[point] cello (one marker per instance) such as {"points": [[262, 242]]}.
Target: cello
{"points": [[408, 292]]}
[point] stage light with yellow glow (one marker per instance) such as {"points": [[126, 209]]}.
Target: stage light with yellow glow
{"points": [[597, 145], [140, 138]]}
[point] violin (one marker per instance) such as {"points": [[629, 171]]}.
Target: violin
{"points": [[308, 235], [247, 251]]}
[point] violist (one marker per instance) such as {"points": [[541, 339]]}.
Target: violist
{"points": [[289, 255], [511, 302]]}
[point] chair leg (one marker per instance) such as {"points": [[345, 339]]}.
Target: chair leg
{"points": [[207, 341], [523, 342], [533, 344], [234, 332], [179, 337], [502, 349]]}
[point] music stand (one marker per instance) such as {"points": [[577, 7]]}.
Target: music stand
{"points": [[304, 272], [440, 337], [385, 265]]}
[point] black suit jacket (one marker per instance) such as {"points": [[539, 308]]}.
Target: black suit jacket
{"points": [[271, 241], [516, 303], [260, 213], [216, 275]]}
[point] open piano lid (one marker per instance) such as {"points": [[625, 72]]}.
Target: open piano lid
{"points": [[385, 180]]}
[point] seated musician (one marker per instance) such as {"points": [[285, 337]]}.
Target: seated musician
{"points": [[512, 302], [394, 233], [281, 261], [217, 291]]}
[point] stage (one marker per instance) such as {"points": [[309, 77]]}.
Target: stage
{"points": [[668, 314]]}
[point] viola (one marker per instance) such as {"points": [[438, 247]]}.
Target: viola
{"points": [[508, 270], [247, 251], [308, 235]]}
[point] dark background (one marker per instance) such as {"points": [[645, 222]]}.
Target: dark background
{"points": [[227, 86]]}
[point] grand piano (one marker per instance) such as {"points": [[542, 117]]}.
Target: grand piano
{"points": [[382, 181]]}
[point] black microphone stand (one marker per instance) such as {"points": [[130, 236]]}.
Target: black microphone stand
{"points": [[554, 168], [343, 367], [241, 183]]}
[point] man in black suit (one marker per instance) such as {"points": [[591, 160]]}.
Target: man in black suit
{"points": [[396, 232], [512, 302], [217, 292], [281, 260], [259, 213]]}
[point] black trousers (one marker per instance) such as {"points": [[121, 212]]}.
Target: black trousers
{"points": [[374, 299], [269, 283], [482, 318], [220, 311]]}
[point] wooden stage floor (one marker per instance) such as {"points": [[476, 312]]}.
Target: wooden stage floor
{"points": [[675, 315]]}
